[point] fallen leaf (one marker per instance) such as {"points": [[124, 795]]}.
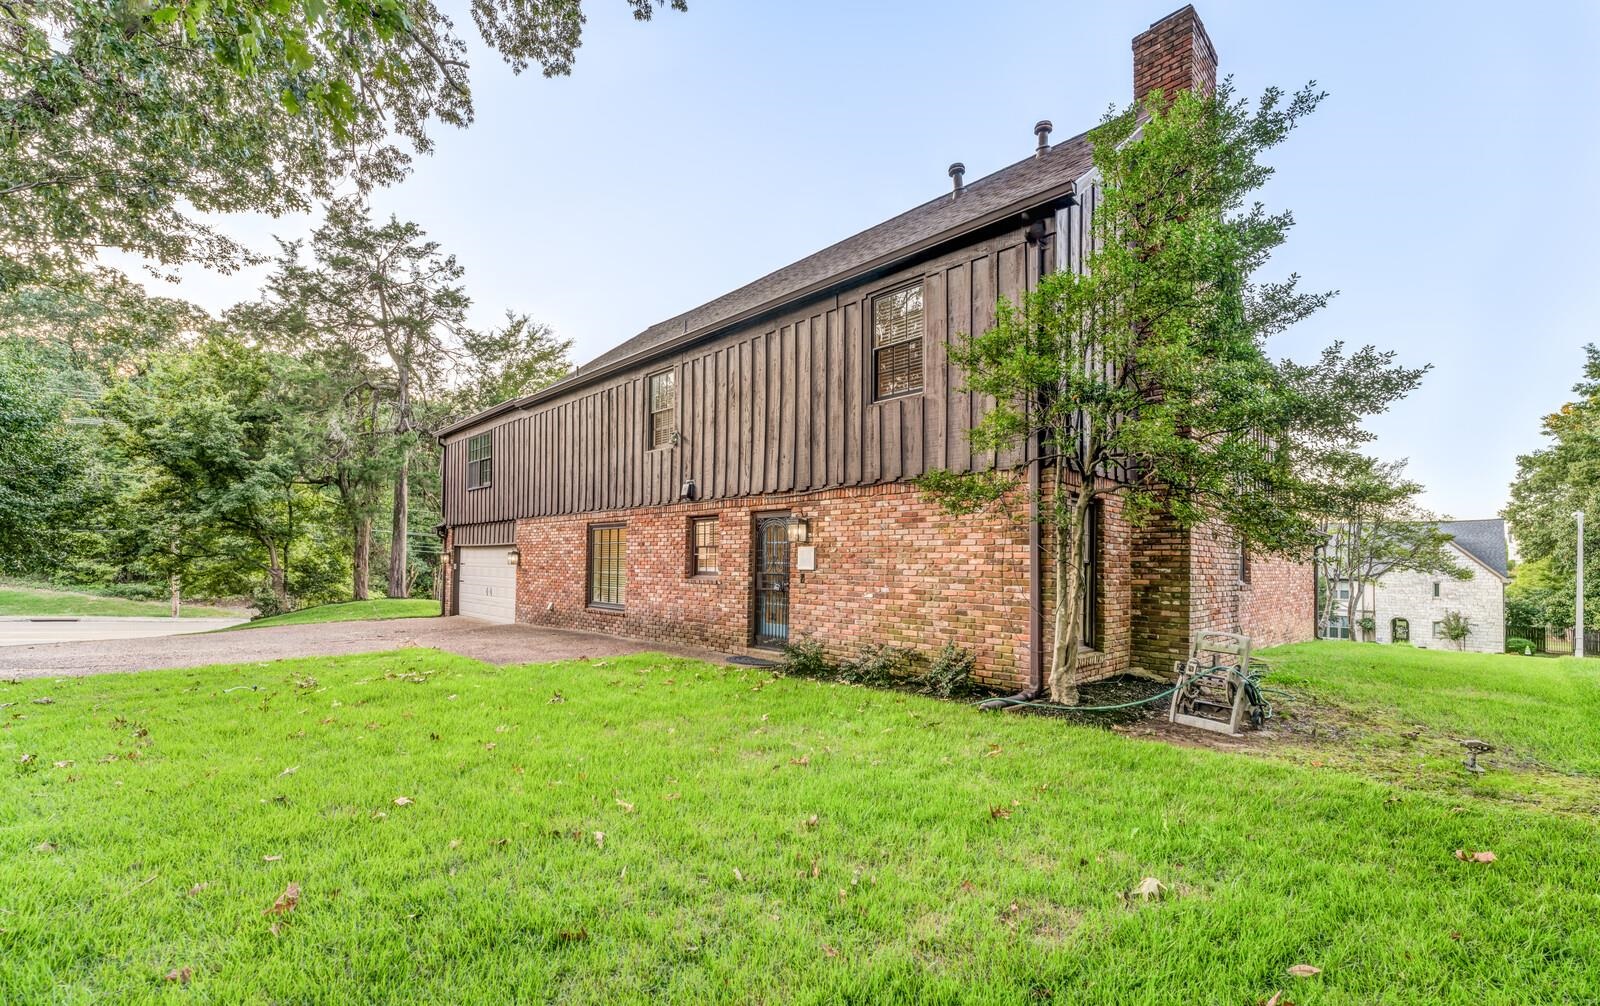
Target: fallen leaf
{"points": [[579, 935], [737, 875], [1482, 856], [999, 813], [810, 822], [403, 801], [802, 760], [286, 901], [291, 770], [44, 700], [380, 815], [272, 859], [499, 841], [829, 951], [489, 746], [45, 847], [63, 764], [180, 975], [627, 808], [196, 889], [455, 843], [1304, 970], [600, 839], [1149, 889]]}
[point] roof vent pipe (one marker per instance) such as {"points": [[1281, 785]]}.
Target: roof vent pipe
{"points": [[956, 171], [1041, 129]]}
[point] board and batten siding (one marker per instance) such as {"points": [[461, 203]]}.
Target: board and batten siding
{"points": [[783, 405]]}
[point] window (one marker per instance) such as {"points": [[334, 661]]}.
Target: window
{"points": [[480, 461], [703, 546], [1399, 630], [1436, 588], [663, 409], [1338, 627], [897, 342], [1089, 574], [1244, 561], [608, 548]]}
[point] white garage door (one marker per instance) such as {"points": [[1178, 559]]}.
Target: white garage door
{"points": [[488, 583]]}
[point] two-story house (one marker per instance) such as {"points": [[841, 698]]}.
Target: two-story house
{"points": [[738, 476]]}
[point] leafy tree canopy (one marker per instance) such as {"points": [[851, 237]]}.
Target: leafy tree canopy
{"points": [[123, 123]]}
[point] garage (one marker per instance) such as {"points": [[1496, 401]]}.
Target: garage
{"points": [[488, 583]]}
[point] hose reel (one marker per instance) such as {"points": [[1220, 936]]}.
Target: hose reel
{"points": [[1216, 688]]}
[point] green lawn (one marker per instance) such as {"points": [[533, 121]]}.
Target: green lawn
{"points": [[380, 609], [25, 599], [1540, 710], [653, 829]]}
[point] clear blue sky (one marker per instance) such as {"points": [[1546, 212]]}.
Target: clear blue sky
{"points": [[1447, 187]]}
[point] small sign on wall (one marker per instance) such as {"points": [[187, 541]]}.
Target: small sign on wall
{"points": [[805, 558]]}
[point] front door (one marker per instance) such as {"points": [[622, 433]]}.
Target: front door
{"points": [[772, 580]]}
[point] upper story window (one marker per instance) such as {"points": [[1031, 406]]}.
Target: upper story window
{"points": [[1436, 588], [1244, 561], [897, 342], [703, 546], [663, 409], [480, 460]]}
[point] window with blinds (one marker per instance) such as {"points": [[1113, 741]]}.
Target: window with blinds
{"points": [[702, 546], [608, 548], [663, 409], [1090, 574], [480, 463], [897, 342]]}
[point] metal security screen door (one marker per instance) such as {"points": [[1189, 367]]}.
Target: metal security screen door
{"points": [[772, 580]]}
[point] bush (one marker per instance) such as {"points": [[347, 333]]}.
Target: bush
{"points": [[950, 674], [266, 602], [806, 659], [880, 665], [1516, 644]]}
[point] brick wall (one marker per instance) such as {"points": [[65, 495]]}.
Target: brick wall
{"points": [[891, 568], [1175, 54]]}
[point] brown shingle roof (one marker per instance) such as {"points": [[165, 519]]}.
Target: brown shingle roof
{"points": [[1065, 162], [1012, 188]]}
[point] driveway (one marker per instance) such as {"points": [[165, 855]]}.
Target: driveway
{"points": [[18, 630], [496, 644]]}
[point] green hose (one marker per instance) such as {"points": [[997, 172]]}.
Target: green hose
{"points": [[1080, 709]]}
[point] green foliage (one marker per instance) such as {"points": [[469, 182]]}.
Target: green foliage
{"points": [[1551, 483], [1517, 644], [1456, 627], [1185, 396], [44, 460], [949, 674], [806, 658], [1536, 596], [881, 666], [130, 125]]}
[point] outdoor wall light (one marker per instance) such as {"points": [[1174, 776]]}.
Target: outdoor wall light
{"points": [[513, 557], [688, 489], [799, 531]]}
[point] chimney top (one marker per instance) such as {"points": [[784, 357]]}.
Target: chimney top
{"points": [[1174, 55], [956, 171], [1042, 129]]}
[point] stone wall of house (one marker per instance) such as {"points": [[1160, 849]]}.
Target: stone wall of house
{"points": [[891, 568], [1410, 596]]}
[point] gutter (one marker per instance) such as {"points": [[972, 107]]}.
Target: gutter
{"points": [[880, 264]]}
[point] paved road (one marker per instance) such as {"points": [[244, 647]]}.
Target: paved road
{"points": [[498, 644], [17, 630]]}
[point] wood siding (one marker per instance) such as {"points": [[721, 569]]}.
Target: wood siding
{"points": [[784, 405]]}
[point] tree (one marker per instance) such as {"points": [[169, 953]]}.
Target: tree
{"points": [[42, 459], [1368, 511], [1536, 597], [1550, 484], [1151, 359], [386, 295], [508, 362], [1456, 627], [125, 123]]}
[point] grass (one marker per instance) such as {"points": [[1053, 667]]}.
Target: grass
{"points": [[652, 829], [25, 599], [1538, 710], [379, 609]]}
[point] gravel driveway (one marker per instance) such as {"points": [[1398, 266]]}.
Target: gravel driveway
{"points": [[497, 644]]}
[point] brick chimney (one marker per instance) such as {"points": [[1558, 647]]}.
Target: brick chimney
{"points": [[1174, 55]]}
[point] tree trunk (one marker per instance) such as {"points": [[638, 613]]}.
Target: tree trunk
{"points": [[276, 580], [1069, 545], [362, 561], [174, 584], [398, 578]]}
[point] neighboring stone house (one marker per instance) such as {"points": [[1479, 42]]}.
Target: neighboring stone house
{"points": [[739, 476], [1409, 607]]}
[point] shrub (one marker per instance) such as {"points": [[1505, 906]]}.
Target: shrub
{"points": [[950, 674], [806, 659], [1516, 644], [880, 665]]}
